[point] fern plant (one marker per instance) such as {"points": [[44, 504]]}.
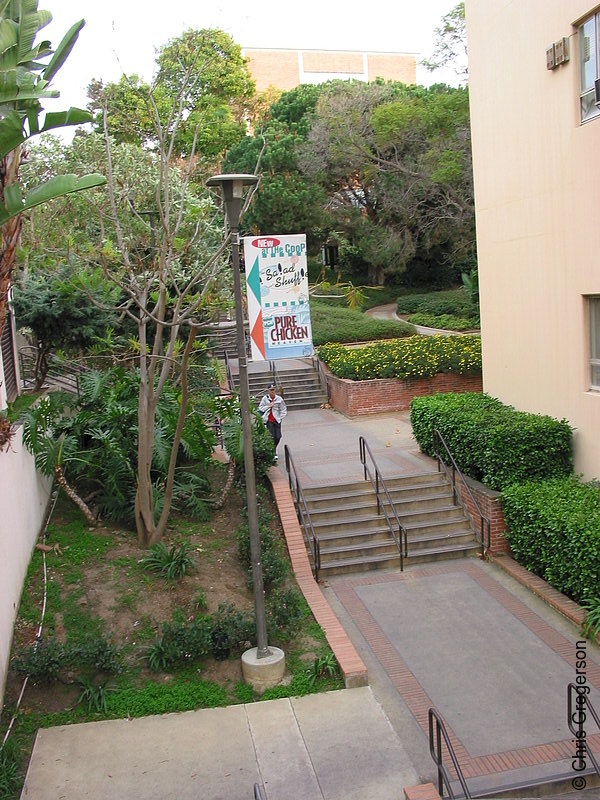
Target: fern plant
{"points": [[172, 563]]}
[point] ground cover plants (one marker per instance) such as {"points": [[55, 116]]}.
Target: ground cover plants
{"points": [[122, 639], [414, 357], [338, 323]]}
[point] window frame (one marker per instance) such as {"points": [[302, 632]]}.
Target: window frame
{"points": [[594, 337], [587, 95]]}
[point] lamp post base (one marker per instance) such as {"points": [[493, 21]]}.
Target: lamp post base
{"points": [[262, 673]]}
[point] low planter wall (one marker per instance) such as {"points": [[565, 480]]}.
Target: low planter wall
{"points": [[488, 501], [353, 398]]}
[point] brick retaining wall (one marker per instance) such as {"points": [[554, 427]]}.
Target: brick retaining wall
{"points": [[353, 398], [488, 501]]}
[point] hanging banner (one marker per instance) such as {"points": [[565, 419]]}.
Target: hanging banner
{"points": [[277, 284]]}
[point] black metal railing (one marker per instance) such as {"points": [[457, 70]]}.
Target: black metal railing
{"points": [[275, 376], [318, 366], [484, 523], [303, 513], [61, 374], [437, 732], [229, 373], [579, 711], [399, 535], [258, 795]]}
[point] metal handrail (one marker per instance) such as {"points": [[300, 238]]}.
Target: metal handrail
{"points": [[303, 513], [576, 725], [229, 373], [437, 727], [402, 538], [66, 374], [258, 795], [484, 521], [275, 375]]}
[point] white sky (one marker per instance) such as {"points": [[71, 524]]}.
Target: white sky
{"points": [[123, 35]]}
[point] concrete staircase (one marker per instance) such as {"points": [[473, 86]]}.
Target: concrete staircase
{"points": [[222, 339], [301, 387], [354, 538]]}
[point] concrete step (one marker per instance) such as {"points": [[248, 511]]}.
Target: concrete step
{"points": [[416, 540], [366, 549], [449, 520], [409, 482], [349, 565], [367, 511], [426, 555], [368, 500], [551, 780]]}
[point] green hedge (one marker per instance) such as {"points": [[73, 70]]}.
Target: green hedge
{"points": [[415, 357], [554, 531], [445, 322], [492, 442]]}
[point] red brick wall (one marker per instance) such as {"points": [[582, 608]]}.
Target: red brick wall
{"points": [[353, 398], [489, 502]]}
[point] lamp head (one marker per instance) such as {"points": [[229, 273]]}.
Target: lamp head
{"points": [[232, 188]]}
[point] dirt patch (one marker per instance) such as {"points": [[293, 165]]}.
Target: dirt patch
{"points": [[125, 602]]}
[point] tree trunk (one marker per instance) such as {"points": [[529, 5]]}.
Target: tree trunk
{"points": [[144, 495], [10, 231], [74, 497], [227, 487]]}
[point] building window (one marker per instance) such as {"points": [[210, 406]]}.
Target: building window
{"points": [[594, 306], [589, 50]]}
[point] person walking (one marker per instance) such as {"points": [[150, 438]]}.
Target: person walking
{"points": [[273, 410]]}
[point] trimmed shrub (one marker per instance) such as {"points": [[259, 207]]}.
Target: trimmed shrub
{"points": [[455, 301], [415, 357], [554, 531], [492, 442], [446, 322]]}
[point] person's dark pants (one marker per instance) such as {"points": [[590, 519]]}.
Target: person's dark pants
{"points": [[274, 429]]}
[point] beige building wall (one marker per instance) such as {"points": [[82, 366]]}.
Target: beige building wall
{"points": [[24, 495], [285, 69], [537, 195]]}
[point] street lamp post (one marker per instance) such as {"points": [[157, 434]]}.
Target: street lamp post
{"points": [[232, 187]]}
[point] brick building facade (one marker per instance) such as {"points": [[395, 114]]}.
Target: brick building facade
{"points": [[285, 69]]}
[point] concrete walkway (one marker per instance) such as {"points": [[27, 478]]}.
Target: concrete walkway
{"points": [[324, 445], [336, 746]]}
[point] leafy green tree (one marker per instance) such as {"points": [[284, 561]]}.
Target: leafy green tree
{"points": [[59, 315], [451, 44], [286, 201], [24, 82], [395, 162], [203, 75]]}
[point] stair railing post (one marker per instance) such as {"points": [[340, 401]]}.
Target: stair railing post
{"points": [[377, 490]]}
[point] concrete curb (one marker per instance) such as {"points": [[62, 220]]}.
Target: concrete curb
{"points": [[351, 665], [558, 601]]}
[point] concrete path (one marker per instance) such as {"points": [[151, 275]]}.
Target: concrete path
{"points": [[336, 746], [388, 311], [324, 445]]}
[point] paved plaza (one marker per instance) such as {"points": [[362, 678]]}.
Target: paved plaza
{"points": [[461, 635]]}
